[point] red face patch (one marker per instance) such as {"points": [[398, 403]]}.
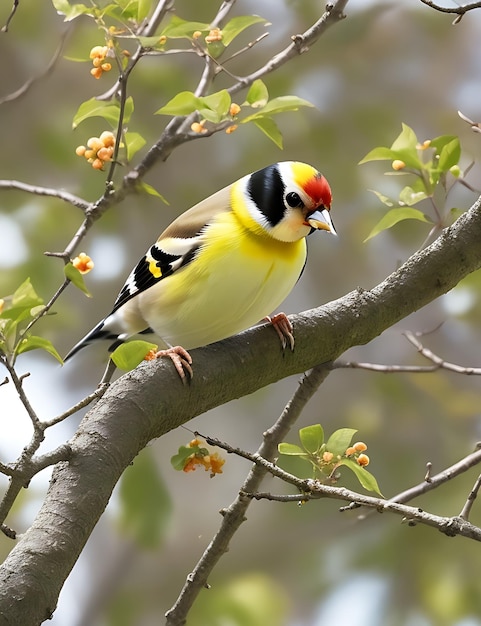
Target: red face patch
{"points": [[319, 190]]}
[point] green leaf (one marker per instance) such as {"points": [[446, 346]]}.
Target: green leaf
{"points": [[406, 140], [133, 143], [19, 305], [365, 478], [394, 216], [179, 460], [183, 103], [178, 28], [380, 153], [403, 148], [71, 11], [291, 449], [384, 199], [279, 105], [143, 186], [218, 102], [237, 25], [257, 96], [312, 438], [154, 41], [135, 10], [143, 9], [32, 342], [109, 111], [340, 440], [270, 130], [145, 501], [449, 155], [409, 196], [26, 296], [128, 355], [76, 278]]}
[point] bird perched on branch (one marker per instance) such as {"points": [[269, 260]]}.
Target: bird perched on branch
{"points": [[223, 265]]}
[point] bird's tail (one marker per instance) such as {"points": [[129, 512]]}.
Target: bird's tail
{"points": [[104, 330]]}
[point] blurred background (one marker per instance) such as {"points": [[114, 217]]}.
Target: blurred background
{"points": [[387, 63]]}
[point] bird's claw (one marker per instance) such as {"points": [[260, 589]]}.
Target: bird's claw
{"points": [[283, 328], [180, 358]]}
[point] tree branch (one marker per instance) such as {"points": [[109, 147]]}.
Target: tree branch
{"points": [[150, 401]]}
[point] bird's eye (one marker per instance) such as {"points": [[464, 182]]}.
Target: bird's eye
{"points": [[293, 200]]}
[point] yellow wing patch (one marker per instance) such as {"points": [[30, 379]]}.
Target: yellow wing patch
{"points": [[154, 269]]}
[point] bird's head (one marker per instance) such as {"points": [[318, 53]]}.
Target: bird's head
{"points": [[289, 200]]}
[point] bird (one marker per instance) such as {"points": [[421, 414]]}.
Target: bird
{"points": [[222, 266]]}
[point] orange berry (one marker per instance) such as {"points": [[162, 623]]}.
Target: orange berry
{"points": [[216, 463], [234, 109], [107, 138], [80, 150], [97, 51], [350, 451], [230, 129], [151, 355], [197, 127], [327, 457], [104, 154], [424, 145], [96, 72], [360, 446], [106, 67], [397, 165], [89, 154], [94, 143], [363, 460], [214, 35], [97, 164]]}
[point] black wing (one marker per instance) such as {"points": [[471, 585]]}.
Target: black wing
{"points": [[156, 265]]}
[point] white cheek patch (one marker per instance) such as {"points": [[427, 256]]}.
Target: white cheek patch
{"points": [[252, 208]]}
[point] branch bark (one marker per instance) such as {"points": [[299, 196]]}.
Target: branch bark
{"points": [[150, 401]]}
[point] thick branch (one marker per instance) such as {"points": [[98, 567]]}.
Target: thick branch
{"points": [[150, 401]]}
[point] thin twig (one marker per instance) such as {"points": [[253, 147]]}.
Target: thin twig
{"points": [[450, 526], [310, 489], [15, 95], [459, 10], [98, 393], [438, 363], [473, 494], [147, 29], [10, 17], [46, 191]]}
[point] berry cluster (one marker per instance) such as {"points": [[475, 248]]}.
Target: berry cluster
{"points": [[201, 457], [199, 127], [98, 54], [356, 452], [99, 150]]}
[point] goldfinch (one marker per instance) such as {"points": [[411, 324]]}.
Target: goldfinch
{"points": [[223, 265]]}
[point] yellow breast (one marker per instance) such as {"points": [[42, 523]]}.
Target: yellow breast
{"points": [[237, 278]]}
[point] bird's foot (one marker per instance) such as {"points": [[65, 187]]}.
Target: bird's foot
{"points": [[180, 358], [283, 328]]}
